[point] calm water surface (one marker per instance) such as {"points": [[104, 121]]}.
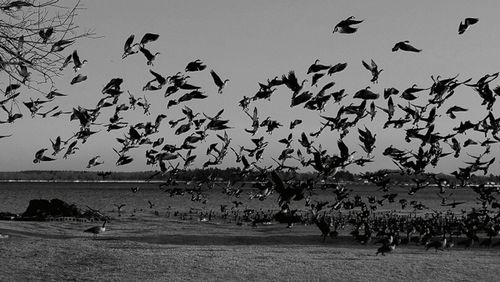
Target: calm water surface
{"points": [[15, 197]]}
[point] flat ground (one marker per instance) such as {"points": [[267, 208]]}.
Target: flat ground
{"points": [[180, 251]]}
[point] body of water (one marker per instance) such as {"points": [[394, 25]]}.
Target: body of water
{"points": [[15, 197]]}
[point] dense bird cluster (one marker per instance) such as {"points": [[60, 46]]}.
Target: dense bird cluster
{"points": [[414, 110]]}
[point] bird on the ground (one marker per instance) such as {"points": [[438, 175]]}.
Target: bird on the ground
{"points": [[386, 249], [97, 229], [324, 225], [119, 209], [151, 204], [437, 244]]}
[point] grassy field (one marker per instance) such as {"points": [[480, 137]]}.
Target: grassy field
{"points": [[132, 250]]}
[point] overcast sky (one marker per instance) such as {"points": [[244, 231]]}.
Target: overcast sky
{"points": [[249, 42]]}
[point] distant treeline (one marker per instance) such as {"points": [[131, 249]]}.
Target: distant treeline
{"points": [[233, 174]]}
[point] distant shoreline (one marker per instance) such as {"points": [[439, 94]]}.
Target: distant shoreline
{"points": [[77, 181]]}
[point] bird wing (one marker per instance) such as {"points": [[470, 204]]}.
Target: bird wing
{"points": [[216, 78], [149, 37], [76, 58], [146, 53], [344, 151], [128, 43], [279, 186], [365, 64]]}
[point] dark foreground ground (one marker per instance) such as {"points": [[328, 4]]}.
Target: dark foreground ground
{"points": [[132, 250]]}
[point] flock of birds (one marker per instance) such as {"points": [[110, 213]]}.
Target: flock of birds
{"points": [[408, 110]]}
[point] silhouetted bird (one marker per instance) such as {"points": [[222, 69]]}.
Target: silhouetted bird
{"points": [[97, 229], [346, 26], [149, 56], [405, 46], [466, 24], [218, 81], [373, 68]]}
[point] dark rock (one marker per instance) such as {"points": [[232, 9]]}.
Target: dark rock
{"points": [[41, 209]]}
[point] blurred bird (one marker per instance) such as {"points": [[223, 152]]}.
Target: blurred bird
{"points": [[97, 229], [149, 56], [79, 78], [130, 48], [317, 67], [405, 46], [148, 37], [196, 65], [466, 24], [61, 45], [345, 26], [218, 81], [39, 157], [94, 162], [373, 68], [46, 33], [337, 68], [77, 64]]}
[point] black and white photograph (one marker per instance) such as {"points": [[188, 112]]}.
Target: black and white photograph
{"points": [[257, 140]]}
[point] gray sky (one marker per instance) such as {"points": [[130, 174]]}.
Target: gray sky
{"points": [[251, 41]]}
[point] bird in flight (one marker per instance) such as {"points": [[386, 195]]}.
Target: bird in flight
{"points": [[149, 56], [94, 162], [373, 68], [218, 81], [76, 61], [39, 157], [129, 48], [405, 46], [345, 26]]}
